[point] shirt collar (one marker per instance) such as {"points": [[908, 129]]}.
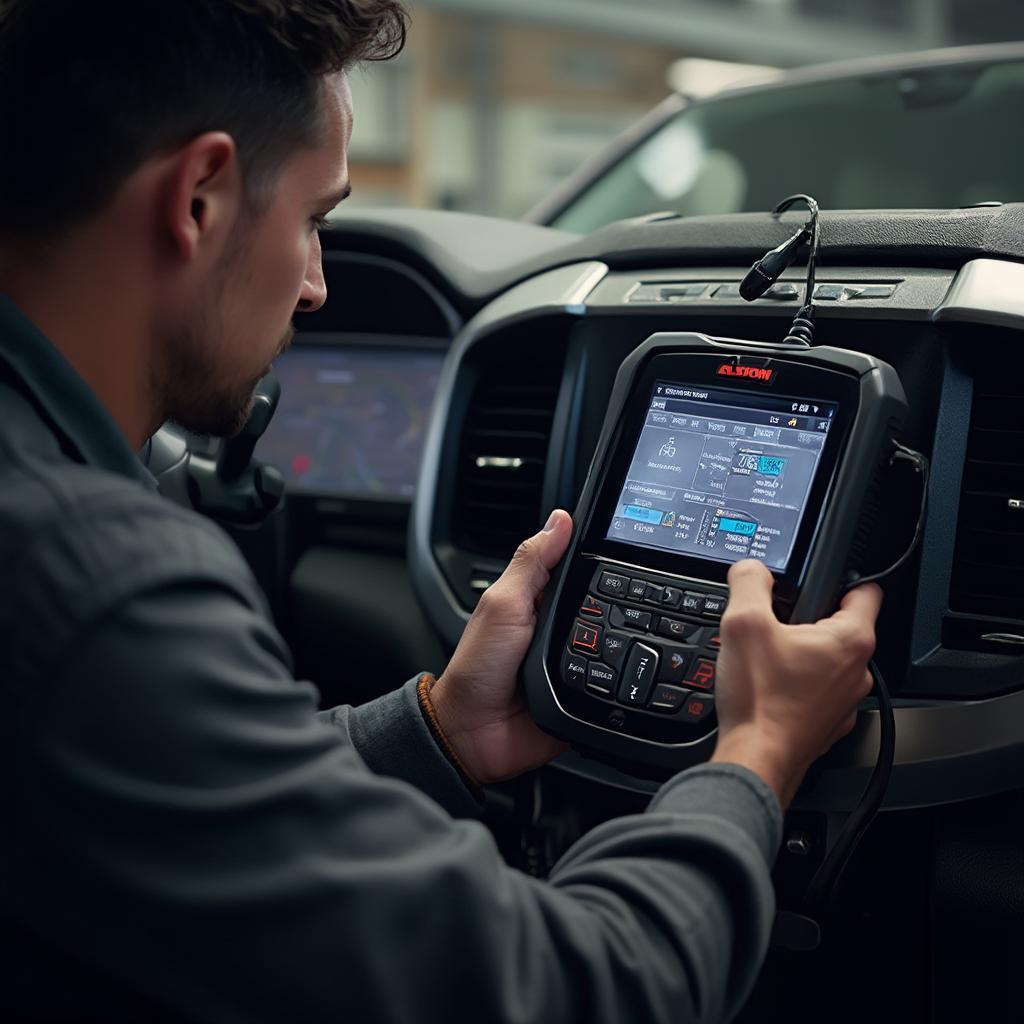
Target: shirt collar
{"points": [[70, 407]]}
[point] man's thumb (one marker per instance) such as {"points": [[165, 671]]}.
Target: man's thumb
{"points": [[554, 538], [750, 589], [527, 574], [537, 556]]}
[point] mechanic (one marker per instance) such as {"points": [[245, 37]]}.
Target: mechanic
{"points": [[186, 837]]}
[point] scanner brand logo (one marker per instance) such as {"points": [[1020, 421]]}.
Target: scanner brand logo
{"points": [[759, 373]]}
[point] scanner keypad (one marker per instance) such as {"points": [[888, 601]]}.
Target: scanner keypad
{"points": [[646, 643]]}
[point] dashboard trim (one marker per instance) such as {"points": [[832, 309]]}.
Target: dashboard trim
{"points": [[950, 748], [447, 310], [986, 291], [938, 542], [919, 291]]}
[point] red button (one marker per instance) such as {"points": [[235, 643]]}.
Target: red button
{"points": [[698, 707], [586, 638], [702, 675]]}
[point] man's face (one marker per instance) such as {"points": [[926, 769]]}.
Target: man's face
{"points": [[271, 269]]}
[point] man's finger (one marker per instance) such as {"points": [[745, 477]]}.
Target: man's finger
{"points": [[859, 607], [750, 590]]}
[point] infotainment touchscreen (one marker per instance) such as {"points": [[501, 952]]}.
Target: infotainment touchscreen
{"points": [[352, 418], [722, 474]]}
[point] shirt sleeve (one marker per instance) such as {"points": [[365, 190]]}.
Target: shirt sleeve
{"points": [[188, 825], [393, 739]]}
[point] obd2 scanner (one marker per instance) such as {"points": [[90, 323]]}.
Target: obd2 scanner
{"points": [[713, 450]]}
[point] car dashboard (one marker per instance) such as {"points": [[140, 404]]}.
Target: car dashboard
{"points": [[533, 325], [522, 400]]}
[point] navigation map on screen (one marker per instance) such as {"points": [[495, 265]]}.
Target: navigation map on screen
{"points": [[721, 474], [352, 419]]}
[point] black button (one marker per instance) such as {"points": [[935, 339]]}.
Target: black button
{"points": [[781, 292], [601, 678], [830, 292], [574, 670], [676, 630], [714, 604], [631, 617], [637, 589], [638, 675], [593, 608], [675, 661], [671, 597], [586, 639], [875, 291], [653, 594], [693, 603], [726, 291], [668, 699], [612, 584], [702, 675], [698, 706], [675, 292], [615, 646]]}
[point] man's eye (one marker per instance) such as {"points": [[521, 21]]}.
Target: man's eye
{"points": [[319, 222]]}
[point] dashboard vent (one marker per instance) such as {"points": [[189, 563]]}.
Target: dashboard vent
{"points": [[503, 453], [988, 569]]}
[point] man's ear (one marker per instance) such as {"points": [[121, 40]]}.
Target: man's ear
{"points": [[203, 196]]}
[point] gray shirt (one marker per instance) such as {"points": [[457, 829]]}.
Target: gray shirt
{"points": [[185, 831]]}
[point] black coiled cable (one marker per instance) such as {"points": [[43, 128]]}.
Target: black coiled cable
{"points": [[801, 331]]}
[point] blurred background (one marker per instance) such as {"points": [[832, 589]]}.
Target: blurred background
{"points": [[495, 102]]}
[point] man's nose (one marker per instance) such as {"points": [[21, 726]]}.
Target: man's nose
{"points": [[314, 288]]}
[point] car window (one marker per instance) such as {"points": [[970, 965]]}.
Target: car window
{"points": [[939, 138]]}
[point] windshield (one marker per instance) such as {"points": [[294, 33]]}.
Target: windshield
{"points": [[937, 138]]}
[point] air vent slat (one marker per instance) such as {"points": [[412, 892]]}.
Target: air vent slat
{"points": [[1001, 608], [531, 409], [484, 435], [988, 568], [501, 486], [504, 449], [997, 411]]}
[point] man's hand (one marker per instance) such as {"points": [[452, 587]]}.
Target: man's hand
{"points": [[786, 694], [477, 699]]}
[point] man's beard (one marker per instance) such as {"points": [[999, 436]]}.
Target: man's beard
{"points": [[193, 394]]}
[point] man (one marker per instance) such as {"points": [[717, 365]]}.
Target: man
{"points": [[185, 836]]}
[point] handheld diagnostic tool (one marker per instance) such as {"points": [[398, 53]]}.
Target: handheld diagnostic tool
{"points": [[712, 451]]}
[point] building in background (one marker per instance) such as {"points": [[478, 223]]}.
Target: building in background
{"points": [[488, 115], [496, 101]]}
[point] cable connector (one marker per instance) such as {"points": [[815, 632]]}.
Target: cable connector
{"points": [[901, 453], [767, 270]]}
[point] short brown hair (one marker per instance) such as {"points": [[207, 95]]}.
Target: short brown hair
{"points": [[89, 90]]}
